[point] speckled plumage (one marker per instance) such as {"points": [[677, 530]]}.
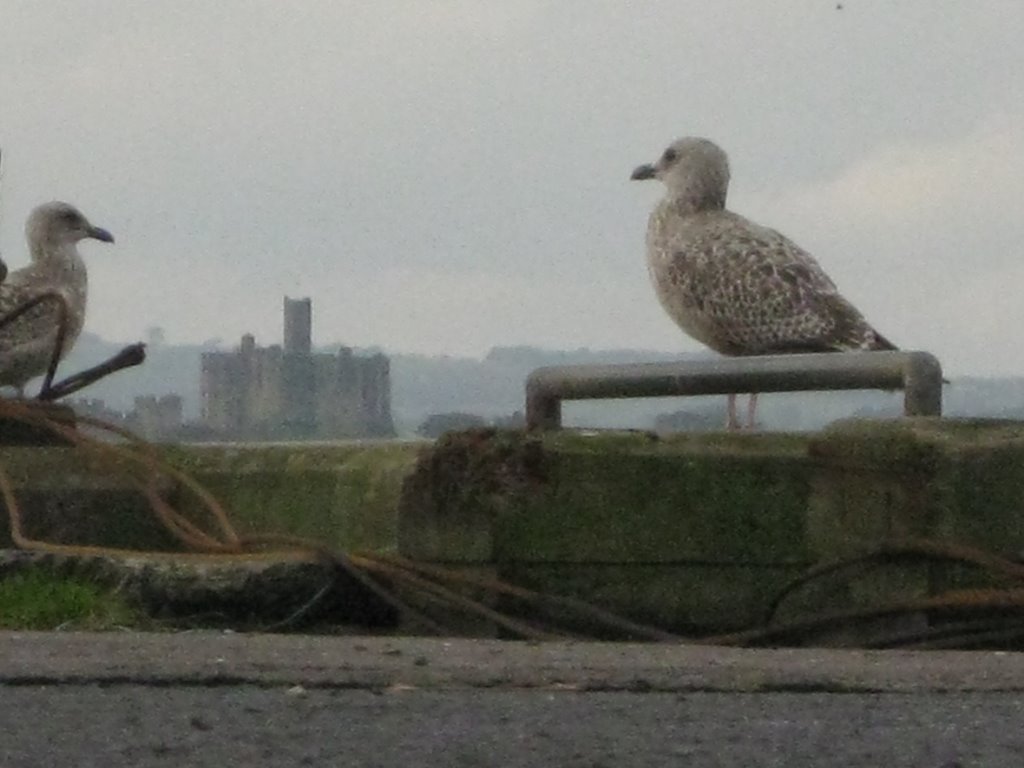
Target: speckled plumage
{"points": [[26, 345], [736, 286]]}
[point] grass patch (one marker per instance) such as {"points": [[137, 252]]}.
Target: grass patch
{"points": [[40, 599]]}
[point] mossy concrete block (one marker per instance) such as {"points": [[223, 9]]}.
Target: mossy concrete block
{"points": [[699, 532], [67, 497], [632, 498], [953, 480], [609, 497], [344, 495], [692, 530], [691, 598], [32, 433], [959, 480], [450, 501]]}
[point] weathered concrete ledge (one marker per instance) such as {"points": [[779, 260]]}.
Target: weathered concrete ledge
{"points": [[66, 497], [258, 591], [690, 532], [954, 479], [344, 495], [699, 532]]}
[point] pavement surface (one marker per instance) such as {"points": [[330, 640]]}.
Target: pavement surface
{"points": [[221, 699]]}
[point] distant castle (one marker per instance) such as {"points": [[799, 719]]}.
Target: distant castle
{"points": [[294, 393]]}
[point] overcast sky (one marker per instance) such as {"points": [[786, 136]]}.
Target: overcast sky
{"points": [[445, 176]]}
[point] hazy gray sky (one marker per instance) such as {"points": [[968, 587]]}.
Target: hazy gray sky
{"points": [[446, 176]]}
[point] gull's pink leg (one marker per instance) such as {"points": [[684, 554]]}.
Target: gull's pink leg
{"points": [[752, 411], [731, 422]]}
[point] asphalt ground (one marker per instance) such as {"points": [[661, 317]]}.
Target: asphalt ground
{"points": [[220, 699]]}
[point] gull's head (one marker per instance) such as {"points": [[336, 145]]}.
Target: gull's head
{"points": [[692, 168], [57, 224]]}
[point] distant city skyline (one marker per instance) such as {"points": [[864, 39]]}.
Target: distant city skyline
{"points": [[445, 177]]}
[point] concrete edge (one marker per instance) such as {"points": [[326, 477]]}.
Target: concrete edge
{"points": [[397, 663]]}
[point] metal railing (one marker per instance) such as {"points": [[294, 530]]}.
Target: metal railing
{"points": [[918, 374]]}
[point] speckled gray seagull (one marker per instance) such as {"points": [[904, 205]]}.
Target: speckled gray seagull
{"points": [[732, 284], [27, 344]]}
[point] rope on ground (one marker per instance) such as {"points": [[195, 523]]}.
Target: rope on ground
{"points": [[901, 550], [962, 618], [954, 602]]}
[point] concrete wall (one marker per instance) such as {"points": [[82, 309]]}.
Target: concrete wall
{"points": [[700, 532], [695, 532], [343, 495]]}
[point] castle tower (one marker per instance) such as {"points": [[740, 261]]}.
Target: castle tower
{"points": [[298, 326], [298, 384]]}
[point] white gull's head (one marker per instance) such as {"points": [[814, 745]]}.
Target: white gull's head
{"points": [[57, 225], [695, 171]]}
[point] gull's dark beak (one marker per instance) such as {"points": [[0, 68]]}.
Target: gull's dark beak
{"points": [[98, 233], [642, 172]]}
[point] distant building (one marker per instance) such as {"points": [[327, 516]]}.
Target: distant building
{"points": [[157, 418], [293, 393], [95, 408]]}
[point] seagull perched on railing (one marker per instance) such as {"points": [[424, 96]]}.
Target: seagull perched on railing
{"points": [[28, 343], [736, 286]]}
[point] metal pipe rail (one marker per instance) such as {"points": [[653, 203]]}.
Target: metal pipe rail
{"points": [[918, 374]]}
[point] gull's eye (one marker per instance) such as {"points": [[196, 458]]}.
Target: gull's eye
{"points": [[669, 156], [71, 218]]}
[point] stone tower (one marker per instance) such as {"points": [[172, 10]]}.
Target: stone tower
{"points": [[298, 387], [298, 326]]}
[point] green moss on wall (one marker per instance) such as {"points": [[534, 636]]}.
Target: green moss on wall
{"points": [[343, 495]]}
